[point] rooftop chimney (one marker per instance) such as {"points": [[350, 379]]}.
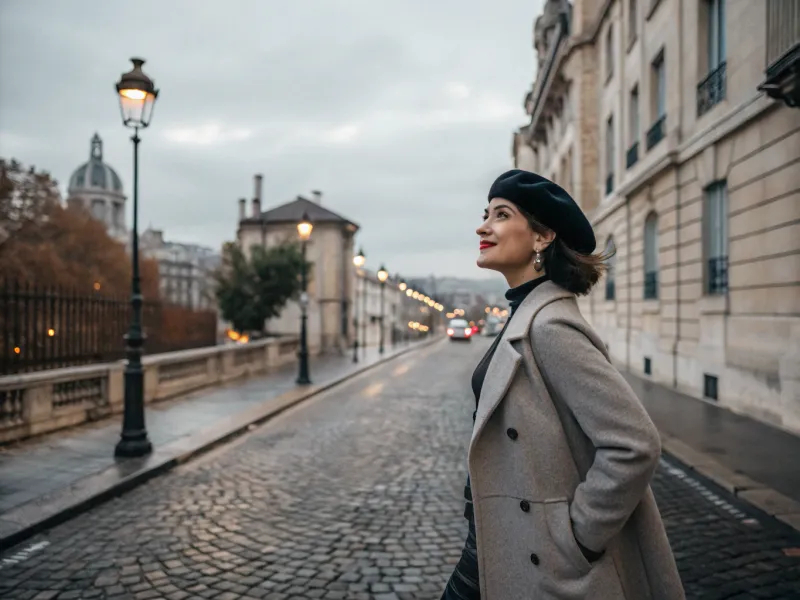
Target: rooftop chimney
{"points": [[257, 196], [242, 203], [317, 196], [257, 186]]}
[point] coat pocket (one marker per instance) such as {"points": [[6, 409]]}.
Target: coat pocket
{"points": [[559, 525]]}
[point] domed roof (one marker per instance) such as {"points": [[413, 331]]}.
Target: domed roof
{"points": [[95, 175]]}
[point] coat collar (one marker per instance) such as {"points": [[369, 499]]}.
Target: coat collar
{"points": [[506, 359], [541, 296]]}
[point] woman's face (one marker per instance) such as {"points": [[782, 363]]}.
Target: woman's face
{"points": [[507, 241]]}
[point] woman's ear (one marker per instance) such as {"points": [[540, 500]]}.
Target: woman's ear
{"points": [[546, 238]]}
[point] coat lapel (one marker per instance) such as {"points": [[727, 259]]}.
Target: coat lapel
{"points": [[506, 359]]}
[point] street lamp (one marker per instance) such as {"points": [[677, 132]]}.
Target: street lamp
{"points": [[383, 275], [403, 287], [358, 260], [137, 96], [304, 228]]}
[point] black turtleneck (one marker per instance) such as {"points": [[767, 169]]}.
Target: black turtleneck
{"points": [[515, 296]]}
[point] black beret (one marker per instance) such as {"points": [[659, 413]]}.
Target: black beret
{"points": [[549, 204]]}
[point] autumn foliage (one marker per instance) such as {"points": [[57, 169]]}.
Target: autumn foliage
{"points": [[45, 243]]}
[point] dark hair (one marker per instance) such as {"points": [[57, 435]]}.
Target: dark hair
{"points": [[564, 266]]}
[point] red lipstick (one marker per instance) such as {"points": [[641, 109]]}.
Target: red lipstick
{"points": [[484, 244]]}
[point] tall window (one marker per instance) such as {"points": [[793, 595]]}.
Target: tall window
{"points": [[716, 33], [634, 115], [611, 274], [609, 155], [711, 90], [660, 79], [610, 52], [633, 6], [715, 233], [658, 86], [651, 256], [632, 156]]}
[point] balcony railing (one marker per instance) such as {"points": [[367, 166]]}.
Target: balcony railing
{"points": [[717, 276], [783, 51], [632, 156], [609, 183], [711, 90], [656, 133], [651, 285]]}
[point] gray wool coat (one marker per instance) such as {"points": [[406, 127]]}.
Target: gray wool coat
{"points": [[562, 450]]}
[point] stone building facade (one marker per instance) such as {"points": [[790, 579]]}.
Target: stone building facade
{"points": [[330, 250], [674, 124], [396, 310], [185, 270]]}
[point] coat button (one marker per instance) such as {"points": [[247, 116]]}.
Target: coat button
{"points": [[524, 506], [535, 559], [512, 433]]}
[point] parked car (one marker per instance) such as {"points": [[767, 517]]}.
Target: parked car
{"points": [[493, 326], [459, 329]]}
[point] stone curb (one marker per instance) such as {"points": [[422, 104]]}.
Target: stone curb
{"points": [[49, 510], [752, 492]]}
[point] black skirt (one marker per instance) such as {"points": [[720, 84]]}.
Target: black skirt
{"points": [[463, 583]]}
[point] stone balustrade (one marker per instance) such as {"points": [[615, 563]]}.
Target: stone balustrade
{"points": [[36, 403]]}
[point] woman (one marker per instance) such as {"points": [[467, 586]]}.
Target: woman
{"points": [[562, 451]]}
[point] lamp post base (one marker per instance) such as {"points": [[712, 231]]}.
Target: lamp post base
{"points": [[132, 445], [303, 377]]}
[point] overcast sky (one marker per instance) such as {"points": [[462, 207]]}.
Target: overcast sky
{"points": [[400, 112]]}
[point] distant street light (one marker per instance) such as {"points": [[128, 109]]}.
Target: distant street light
{"points": [[383, 275], [403, 287], [358, 260], [137, 96], [304, 228]]}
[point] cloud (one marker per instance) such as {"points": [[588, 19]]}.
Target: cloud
{"points": [[206, 134], [400, 112], [457, 90], [341, 135]]}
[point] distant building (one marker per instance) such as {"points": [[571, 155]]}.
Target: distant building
{"points": [[185, 270], [675, 126], [96, 186], [330, 251]]}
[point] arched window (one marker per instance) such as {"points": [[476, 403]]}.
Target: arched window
{"points": [[99, 209], [651, 256], [611, 287]]}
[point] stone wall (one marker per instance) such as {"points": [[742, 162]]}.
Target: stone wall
{"points": [[37, 403]]}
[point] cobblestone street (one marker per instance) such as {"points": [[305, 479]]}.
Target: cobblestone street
{"points": [[356, 494]]}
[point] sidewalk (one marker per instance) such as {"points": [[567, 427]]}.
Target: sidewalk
{"points": [[757, 462], [54, 476]]}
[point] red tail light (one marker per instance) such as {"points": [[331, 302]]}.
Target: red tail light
{"points": [[450, 332], [468, 332]]}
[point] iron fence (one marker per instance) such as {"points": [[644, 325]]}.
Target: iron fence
{"points": [[46, 328], [609, 183], [711, 91], [632, 155], [656, 133]]}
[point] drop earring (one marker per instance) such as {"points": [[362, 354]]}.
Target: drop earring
{"points": [[538, 262]]}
